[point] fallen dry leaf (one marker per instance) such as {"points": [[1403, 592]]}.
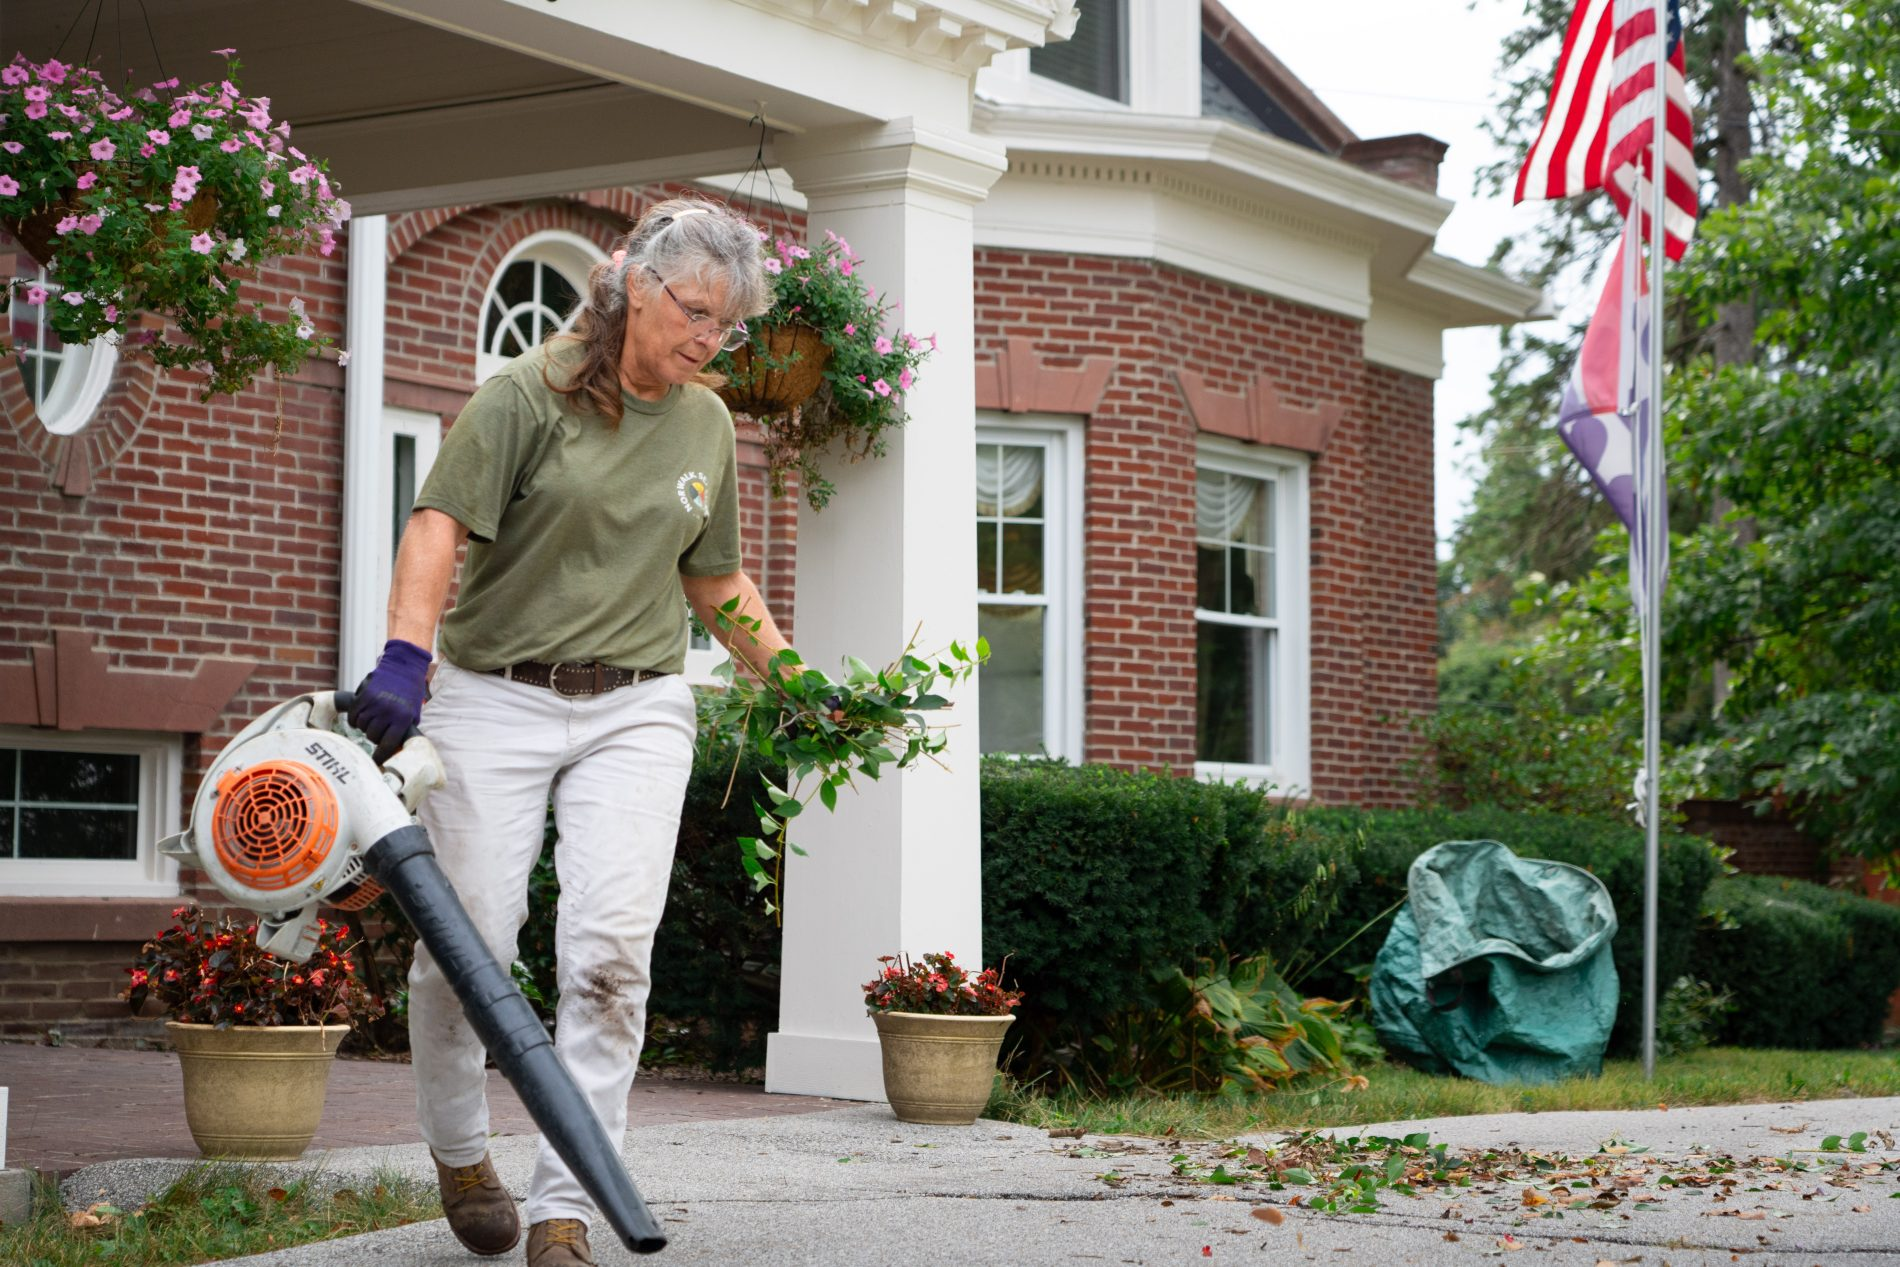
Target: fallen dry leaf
{"points": [[1509, 1242], [1789, 1130], [1066, 1132], [83, 1218], [1451, 1236], [1863, 1209], [1267, 1214]]}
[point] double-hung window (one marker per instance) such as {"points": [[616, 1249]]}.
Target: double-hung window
{"points": [[81, 813], [1251, 660], [1028, 580]]}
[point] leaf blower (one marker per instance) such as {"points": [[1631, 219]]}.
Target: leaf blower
{"points": [[295, 815]]}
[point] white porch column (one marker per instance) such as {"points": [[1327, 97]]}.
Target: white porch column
{"points": [[362, 619], [896, 869]]}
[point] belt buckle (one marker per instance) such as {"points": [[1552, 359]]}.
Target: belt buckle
{"points": [[554, 682]]}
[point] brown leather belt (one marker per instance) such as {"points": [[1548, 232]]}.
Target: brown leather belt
{"points": [[575, 678]]}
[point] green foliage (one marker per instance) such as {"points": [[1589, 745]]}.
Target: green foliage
{"points": [[1530, 748], [1689, 1016], [865, 380], [172, 227], [1232, 1026], [825, 731], [1377, 848], [212, 1212], [1808, 966], [1094, 878]]}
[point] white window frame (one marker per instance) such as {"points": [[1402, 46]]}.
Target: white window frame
{"points": [[149, 874], [569, 254], [426, 430], [1061, 440], [1289, 771], [84, 375]]}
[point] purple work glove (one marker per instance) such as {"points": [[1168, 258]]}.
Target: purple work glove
{"points": [[388, 704]]}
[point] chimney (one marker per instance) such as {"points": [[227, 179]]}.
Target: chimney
{"points": [[1411, 159]]}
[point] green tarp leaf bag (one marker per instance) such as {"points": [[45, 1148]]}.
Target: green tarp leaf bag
{"points": [[1497, 967]]}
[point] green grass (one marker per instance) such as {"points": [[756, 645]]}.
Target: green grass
{"points": [[1396, 1093], [212, 1212]]}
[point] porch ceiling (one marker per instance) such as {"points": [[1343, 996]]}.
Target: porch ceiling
{"points": [[407, 113]]}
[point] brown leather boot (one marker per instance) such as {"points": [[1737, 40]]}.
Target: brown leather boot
{"points": [[481, 1213], [559, 1243]]}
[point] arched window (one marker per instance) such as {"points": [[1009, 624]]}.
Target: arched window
{"points": [[536, 292], [66, 382]]}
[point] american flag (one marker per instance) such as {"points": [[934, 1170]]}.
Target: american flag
{"points": [[1596, 134]]}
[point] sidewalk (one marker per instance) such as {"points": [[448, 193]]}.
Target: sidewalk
{"points": [[71, 1107], [767, 1182]]}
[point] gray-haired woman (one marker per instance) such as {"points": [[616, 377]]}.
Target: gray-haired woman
{"points": [[595, 478]]}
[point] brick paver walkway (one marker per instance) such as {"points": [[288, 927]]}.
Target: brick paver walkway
{"points": [[69, 1107]]}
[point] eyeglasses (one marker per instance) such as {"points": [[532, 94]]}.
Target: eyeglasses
{"points": [[732, 335]]}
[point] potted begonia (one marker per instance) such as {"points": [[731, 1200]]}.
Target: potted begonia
{"points": [[162, 201], [821, 365], [256, 1035], [939, 1028]]}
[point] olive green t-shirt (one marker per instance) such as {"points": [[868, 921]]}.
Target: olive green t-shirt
{"points": [[579, 530]]}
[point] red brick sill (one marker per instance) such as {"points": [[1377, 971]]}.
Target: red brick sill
{"points": [[82, 919]]}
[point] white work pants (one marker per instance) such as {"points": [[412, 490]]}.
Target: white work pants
{"points": [[616, 765]]}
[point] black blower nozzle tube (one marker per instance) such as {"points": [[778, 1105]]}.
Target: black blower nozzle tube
{"points": [[404, 863]]}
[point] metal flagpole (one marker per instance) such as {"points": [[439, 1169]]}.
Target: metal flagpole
{"points": [[1652, 492]]}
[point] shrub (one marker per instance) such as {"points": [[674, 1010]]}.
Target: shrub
{"points": [[1808, 966], [1095, 878], [1376, 848]]}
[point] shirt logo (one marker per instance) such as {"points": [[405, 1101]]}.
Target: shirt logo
{"points": [[692, 491]]}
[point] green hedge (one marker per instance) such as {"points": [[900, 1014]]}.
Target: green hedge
{"points": [[1807, 966], [1377, 848], [1093, 878]]}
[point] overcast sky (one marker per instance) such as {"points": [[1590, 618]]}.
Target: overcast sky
{"points": [[1394, 66]]}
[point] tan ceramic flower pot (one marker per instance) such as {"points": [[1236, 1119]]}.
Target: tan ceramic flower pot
{"points": [[939, 1069], [255, 1092]]}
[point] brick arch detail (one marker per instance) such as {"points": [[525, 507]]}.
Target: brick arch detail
{"points": [[1258, 414], [73, 461]]}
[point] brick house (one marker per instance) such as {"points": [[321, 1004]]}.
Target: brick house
{"points": [[1193, 404]]}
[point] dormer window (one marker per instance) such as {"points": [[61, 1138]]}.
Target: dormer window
{"points": [[1095, 58]]}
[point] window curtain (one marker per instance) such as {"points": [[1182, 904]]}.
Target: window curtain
{"points": [[1008, 479], [1222, 503]]}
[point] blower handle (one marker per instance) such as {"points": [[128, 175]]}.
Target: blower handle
{"points": [[346, 698], [404, 863]]}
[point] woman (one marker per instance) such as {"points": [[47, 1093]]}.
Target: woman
{"points": [[595, 478]]}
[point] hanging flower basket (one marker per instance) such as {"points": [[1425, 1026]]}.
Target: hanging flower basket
{"points": [[161, 201], [779, 371], [848, 378]]}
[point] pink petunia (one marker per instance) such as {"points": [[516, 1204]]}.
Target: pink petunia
{"points": [[54, 72], [11, 147], [36, 294], [180, 117], [35, 92], [88, 180], [230, 144], [66, 225], [883, 346], [74, 297], [158, 136], [8, 186], [774, 267], [201, 243], [881, 387], [147, 150], [185, 183], [224, 52], [59, 136], [849, 328], [36, 109], [201, 131], [112, 312], [12, 75], [342, 359], [905, 378], [89, 224], [103, 149]]}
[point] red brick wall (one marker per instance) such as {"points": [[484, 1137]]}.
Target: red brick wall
{"points": [[1373, 606]]}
